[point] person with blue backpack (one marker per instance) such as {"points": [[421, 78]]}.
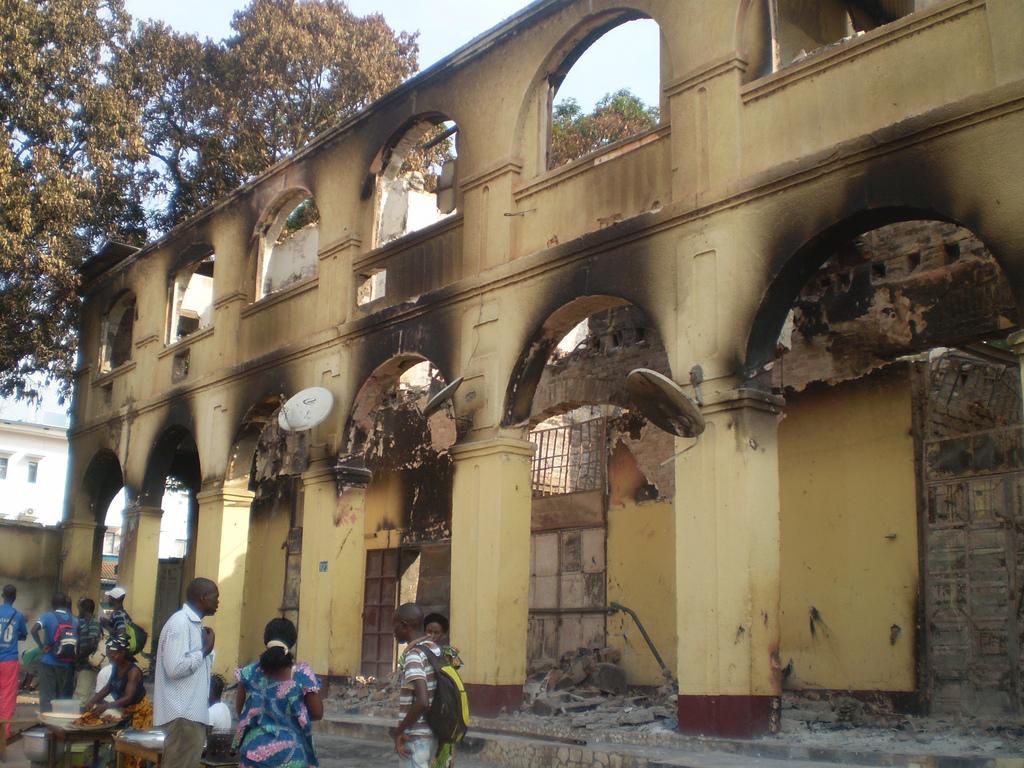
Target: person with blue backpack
{"points": [[13, 629], [56, 633]]}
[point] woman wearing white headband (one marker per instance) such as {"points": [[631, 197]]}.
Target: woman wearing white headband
{"points": [[278, 698]]}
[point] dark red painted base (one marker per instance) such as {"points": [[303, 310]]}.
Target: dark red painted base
{"points": [[737, 717], [490, 700]]}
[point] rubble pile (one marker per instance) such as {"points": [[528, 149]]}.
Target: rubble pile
{"points": [[366, 696], [817, 714], [589, 688]]}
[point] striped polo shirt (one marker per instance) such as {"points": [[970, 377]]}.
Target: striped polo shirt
{"points": [[415, 666]]}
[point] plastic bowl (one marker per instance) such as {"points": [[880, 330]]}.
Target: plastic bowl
{"points": [[67, 707]]}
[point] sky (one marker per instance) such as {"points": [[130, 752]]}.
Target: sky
{"points": [[444, 26]]}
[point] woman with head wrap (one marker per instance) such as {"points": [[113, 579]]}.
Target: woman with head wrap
{"points": [[278, 699], [127, 689]]}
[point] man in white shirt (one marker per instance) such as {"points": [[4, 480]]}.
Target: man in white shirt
{"points": [[182, 686]]}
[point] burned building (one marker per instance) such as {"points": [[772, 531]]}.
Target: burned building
{"points": [[821, 240]]}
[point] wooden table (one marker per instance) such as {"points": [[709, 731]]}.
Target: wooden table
{"points": [[123, 749], [61, 739]]}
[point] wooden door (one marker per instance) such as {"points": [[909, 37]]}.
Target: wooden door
{"points": [[380, 599]]}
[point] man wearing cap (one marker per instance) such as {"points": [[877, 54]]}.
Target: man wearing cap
{"points": [[119, 617]]}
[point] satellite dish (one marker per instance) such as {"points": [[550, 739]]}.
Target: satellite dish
{"points": [[663, 403], [305, 409], [437, 401]]}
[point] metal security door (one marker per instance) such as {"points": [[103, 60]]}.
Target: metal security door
{"points": [[379, 602], [974, 537]]}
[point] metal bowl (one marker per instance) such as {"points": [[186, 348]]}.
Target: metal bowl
{"points": [[149, 739], [37, 744]]}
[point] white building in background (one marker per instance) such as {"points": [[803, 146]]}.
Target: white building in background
{"points": [[33, 461], [33, 474]]}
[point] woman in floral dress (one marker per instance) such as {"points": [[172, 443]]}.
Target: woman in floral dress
{"points": [[278, 699]]}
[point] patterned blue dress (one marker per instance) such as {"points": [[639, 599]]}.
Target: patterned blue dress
{"points": [[274, 729]]}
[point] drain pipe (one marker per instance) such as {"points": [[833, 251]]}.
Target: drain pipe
{"points": [[620, 608]]}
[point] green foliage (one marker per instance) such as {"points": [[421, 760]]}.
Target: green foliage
{"points": [[66, 172], [617, 116], [121, 134]]}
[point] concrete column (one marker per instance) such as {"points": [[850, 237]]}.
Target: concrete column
{"points": [[137, 566], [79, 568], [727, 569], [333, 563], [491, 568], [220, 546]]}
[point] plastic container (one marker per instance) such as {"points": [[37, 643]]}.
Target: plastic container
{"points": [[67, 706], [37, 744]]}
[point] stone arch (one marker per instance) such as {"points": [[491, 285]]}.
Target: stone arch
{"points": [[423, 131], [537, 102], [276, 236], [754, 38], [542, 341], [102, 481], [792, 273], [117, 331], [373, 394], [175, 453]]}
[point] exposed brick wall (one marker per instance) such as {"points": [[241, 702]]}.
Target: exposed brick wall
{"points": [[896, 290]]}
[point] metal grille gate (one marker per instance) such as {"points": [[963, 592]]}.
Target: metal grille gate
{"points": [[974, 537]]}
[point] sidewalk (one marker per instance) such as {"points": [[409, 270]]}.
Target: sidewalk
{"points": [[503, 742]]}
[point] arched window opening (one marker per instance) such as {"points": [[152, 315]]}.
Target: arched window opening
{"points": [[597, 463], [415, 184], [408, 523], [599, 97], [289, 246], [192, 300], [903, 421], [803, 28], [116, 345]]}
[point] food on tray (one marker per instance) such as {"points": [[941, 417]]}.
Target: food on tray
{"points": [[90, 720]]}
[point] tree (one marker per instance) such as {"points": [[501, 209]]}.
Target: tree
{"points": [[218, 114], [122, 135], [616, 116], [72, 142]]}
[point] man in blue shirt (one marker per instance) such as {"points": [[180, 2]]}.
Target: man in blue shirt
{"points": [[12, 630], [60, 648]]}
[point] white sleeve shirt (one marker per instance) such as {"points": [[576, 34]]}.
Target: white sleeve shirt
{"points": [[182, 680], [220, 717]]}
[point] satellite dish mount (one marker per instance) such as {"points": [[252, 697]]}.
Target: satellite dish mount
{"points": [[305, 409]]}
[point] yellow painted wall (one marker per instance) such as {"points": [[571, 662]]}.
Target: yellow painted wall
{"points": [[641, 575], [30, 562], [849, 535], [264, 575]]}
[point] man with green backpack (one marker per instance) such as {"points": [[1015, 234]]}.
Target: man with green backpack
{"points": [[120, 623], [433, 706]]}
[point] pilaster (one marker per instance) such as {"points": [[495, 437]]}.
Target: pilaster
{"points": [[490, 579], [221, 544], [137, 566], [727, 569], [333, 562]]}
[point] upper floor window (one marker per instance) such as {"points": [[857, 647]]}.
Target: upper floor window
{"points": [[288, 245], [598, 96], [112, 542], [801, 27], [192, 299], [4, 461], [116, 344], [33, 470], [415, 179]]}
